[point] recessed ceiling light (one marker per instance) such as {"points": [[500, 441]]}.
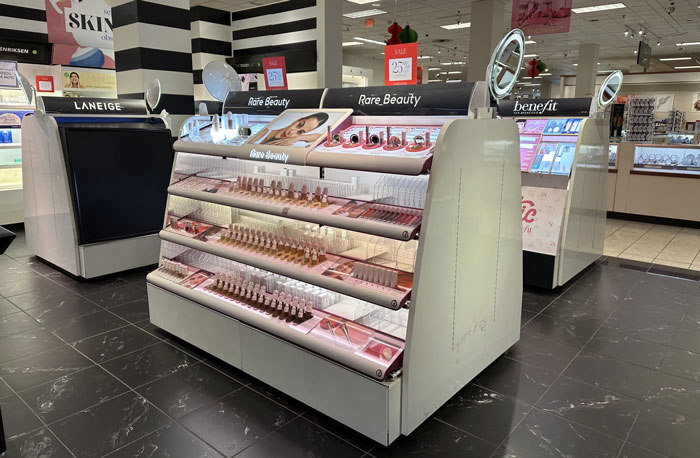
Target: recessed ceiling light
{"points": [[453, 63], [459, 25], [425, 57], [367, 40], [545, 74], [454, 81], [364, 13], [351, 43], [530, 55], [530, 42], [434, 68], [592, 9], [687, 66], [361, 2], [688, 43], [668, 59], [453, 73], [435, 81]]}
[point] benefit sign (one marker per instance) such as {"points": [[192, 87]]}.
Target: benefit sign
{"points": [[542, 215], [82, 32]]}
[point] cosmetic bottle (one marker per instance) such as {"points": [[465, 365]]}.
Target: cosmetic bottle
{"points": [[292, 314]]}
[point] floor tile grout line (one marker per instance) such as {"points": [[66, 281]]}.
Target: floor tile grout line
{"points": [[472, 434]]}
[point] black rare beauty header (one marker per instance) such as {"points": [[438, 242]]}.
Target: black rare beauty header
{"points": [[89, 106]]}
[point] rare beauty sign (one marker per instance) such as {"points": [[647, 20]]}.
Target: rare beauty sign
{"points": [[400, 64], [542, 215], [541, 17], [275, 71]]}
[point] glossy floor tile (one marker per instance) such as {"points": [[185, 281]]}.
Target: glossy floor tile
{"points": [[607, 366]]}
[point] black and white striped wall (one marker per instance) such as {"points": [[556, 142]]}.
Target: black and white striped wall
{"points": [[211, 40], [23, 20], [152, 39]]}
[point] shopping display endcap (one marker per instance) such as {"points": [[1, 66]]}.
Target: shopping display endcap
{"points": [[545, 107], [413, 100], [272, 102], [91, 106]]}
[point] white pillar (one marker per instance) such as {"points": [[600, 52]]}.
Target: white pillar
{"points": [[484, 34], [329, 43], [587, 70]]}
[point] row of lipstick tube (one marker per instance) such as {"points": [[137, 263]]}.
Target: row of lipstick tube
{"points": [[375, 274], [174, 268], [257, 187], [394, 215]]}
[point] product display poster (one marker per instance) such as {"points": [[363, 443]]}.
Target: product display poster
{"points": [[8, 74], [572, 126], [541, 17], [528, 147], [534, 126], [82, 32], [696, 104], [297, 128], [542, 217], [80, 78], [400, 64], [564, 159], [275, 71], [545, 158], [555, 126]]}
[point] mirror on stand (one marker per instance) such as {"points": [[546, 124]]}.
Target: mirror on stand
{"points": [[506, 63]]}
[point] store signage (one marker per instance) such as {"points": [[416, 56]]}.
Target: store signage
{"points": [[30, 53], [268, 156], [88, 106], [81, 31], [44, 83], [8, 74], [80, 79], [545, 107], [644, 55], [272, 102], [542, 217], [541, 18], [400, 64], [275, 71], [415, 100]]}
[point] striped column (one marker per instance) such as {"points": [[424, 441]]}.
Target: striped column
{"points": [[152, 39], [211, 40], [23, 20]]}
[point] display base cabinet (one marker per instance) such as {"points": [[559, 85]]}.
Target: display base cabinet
{"points": [[11, 206], [379, 356]]}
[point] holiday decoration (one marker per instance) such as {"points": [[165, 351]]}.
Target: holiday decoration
{"points": [[394, 29], [533, 71], [408, 35]]}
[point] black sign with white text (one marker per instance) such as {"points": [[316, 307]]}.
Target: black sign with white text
{"points": [[411, 100], [545, 107], [272, 102], [644, 54], [25, 52], [85, 106]]}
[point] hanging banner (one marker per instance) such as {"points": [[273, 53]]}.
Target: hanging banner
{"points": [[275, 71], [8, 74], [400, 64], [81, 31], [541, 17]]}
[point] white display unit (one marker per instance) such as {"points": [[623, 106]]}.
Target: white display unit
{"points": [[75, 158], [436, 200], [564, 166], [11, 210]]}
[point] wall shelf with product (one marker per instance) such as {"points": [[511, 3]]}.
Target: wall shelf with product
{"points": [[347, 242], [11, 209]]}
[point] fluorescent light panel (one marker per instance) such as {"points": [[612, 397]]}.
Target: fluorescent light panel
{"points": [[362, 2], [453, 63], [688, 43], [593, 9], [530, 42], [351, 43], [462, 25], [367, 40], [364, 13], [669, 59], [687, 66]]}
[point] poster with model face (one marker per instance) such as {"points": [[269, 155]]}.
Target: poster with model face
{"points": [[541, 17], [81, 31], [696, 104], [297, 128]]}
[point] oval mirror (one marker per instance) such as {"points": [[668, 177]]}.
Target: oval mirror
{"points": [[220, 79], [153, 93], [26, 87], [609, 89], [506, 62]]}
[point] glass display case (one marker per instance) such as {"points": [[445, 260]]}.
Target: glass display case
{"points": [[667, 158], [11, 146], [680, 138]]}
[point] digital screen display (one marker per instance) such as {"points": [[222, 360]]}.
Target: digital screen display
{"points": [[545, 157], [528, 148], [534, 126], [564, 159], [119, 179]]}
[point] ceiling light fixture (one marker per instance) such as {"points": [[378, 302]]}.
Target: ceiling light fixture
{"points": [[658, 42], [453, 73], [687, 66], [361, 2], [435, 81], [367, 40], [459, 25], [545, 74], [668, 59], [434, 68], [530, 42], [364, 13], [351, 43], [593, 9], [530, 55], [688, 43]]}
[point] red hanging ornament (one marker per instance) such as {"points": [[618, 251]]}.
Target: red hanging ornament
{"points": [[394, 29], [533, 71]]}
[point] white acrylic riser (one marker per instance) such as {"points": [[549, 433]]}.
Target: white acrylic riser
{"points": [[11, 209], [364, 404]]}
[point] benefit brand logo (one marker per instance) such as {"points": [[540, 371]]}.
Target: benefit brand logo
{"points": [[534, 108]]}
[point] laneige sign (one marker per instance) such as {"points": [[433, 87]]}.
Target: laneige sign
{"points": [[545, 107], [86, 106]]}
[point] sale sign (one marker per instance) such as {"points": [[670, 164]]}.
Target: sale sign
{"points": [[401, 64], [275, 71], [44, 83], [542, 216], [541, 17]]}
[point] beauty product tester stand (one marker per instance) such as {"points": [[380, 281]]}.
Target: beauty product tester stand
{"points": [[95, 175], [564, 167], [381, 331]]}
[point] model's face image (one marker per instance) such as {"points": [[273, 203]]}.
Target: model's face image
{"points": [[300, 127], [74, 79]]}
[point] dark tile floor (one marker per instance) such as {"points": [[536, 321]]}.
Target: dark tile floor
{"points": [[607, 367]]}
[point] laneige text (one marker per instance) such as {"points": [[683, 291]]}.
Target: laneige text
{"points": [[95, 106]]}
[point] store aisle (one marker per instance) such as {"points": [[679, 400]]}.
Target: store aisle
{"points": [[654, 243], [607, 367]]}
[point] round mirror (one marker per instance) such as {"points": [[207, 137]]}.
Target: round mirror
{"points": [[220, 79], [609, 89], [26, 87], [153, 93], [506, 62]]}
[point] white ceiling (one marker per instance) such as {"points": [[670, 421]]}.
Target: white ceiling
{"points": [[557, 51]]}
